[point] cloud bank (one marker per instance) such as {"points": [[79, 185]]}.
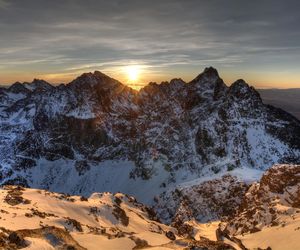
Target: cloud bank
{"points": [[59, 39]]}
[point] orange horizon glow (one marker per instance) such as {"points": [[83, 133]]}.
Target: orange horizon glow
{"points": [[137, 77]]}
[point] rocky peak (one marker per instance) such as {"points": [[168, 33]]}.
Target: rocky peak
{"points": [[240, 85], [177, 81], [18, 88], [167, 88], [40, 82], [150, 89], [241, 90], [209, 74], [38, 85], [96, 79], [207, 85]]}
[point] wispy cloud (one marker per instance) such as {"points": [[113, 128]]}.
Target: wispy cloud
{"points": [[59, 39]]}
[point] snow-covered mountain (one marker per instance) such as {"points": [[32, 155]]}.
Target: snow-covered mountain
{"points": [[96, 134], [263, 215], [38, 219]]}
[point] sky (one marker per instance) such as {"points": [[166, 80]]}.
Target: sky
{"points": [[57, 40]]}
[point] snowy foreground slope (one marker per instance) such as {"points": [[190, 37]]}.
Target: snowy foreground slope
{"points": [[263, 215], [38, 219], [95, 134]]}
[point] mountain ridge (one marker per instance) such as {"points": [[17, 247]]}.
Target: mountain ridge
{"points": [[208, 72], [72, 138], [280, 102]]}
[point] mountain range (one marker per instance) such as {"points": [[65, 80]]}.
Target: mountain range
{"points": [[191, 151]]}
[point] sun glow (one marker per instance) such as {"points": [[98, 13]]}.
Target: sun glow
{"points": [[133, 73]]}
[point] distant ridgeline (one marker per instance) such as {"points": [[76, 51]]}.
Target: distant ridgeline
{"points": [[286, 99]]}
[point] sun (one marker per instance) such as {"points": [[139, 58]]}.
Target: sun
{"points": [[133, 73]]}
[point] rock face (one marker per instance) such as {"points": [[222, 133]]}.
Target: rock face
{"points": [[204, 202], [262, 215], [274, 201], [75, 137]]}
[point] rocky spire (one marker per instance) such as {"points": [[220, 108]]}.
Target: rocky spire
{"points": [[209, 83], [209, 74]]}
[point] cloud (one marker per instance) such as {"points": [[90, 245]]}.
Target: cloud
{"points": [[4, 4], [63, 37]]}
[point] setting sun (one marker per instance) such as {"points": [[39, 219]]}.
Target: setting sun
{"points": [[133, 73]]}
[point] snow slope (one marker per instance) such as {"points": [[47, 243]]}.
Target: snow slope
{"points": [[39, 219]]}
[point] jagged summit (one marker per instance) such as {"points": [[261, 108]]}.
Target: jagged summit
{"points": [[95, 79], [207, 85], [240, 84], [18, 88], [27, 87], [176, 81], [209, 74], [38, 85], [40, 82], [240, 89]]}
